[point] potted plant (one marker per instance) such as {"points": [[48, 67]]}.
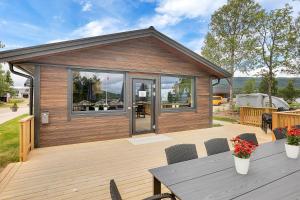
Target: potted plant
{"points": [[292, 143], [14, 107], [242, 152]]}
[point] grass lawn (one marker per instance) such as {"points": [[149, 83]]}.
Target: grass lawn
{"points": [[9, 141], [225, 119], [217, 125]]}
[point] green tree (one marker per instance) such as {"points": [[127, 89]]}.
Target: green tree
{"points": [[294, 67], [289, 93], [1, 45], [8, 78], [229, 40], [4, 86], [275, 37], [249, 86], [263, 85]]}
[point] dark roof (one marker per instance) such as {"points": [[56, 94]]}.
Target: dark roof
{"points": [[46, 49]]}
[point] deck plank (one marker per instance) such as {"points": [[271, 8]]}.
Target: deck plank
{"points": [[82, 171]]}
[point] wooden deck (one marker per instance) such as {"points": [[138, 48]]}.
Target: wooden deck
{"points": [[83, 171]]}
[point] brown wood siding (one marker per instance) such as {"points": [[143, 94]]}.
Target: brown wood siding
{"points": [[53, 98], [139, 55]]}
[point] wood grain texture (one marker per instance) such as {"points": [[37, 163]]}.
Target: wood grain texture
{"points": [[144, 56]]}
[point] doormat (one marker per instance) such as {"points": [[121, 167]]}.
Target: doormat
{"points": [[149, 139]]}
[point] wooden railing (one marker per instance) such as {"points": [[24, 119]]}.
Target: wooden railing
{"points": [[252, 116], [285, 119], [26, 137]]}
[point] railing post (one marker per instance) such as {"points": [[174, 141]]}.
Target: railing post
{"points": [[26, 137], [21, 142]]}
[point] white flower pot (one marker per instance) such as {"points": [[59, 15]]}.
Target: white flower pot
{"points": [[96, 108], [241, 165], [105, 108], [292, 151]]}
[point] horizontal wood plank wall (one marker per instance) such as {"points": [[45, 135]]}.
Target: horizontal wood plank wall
{"points": [[142, 55], [172, 122], [60, 130]]}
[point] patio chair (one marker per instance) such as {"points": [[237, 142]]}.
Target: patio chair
{"points": [[217, 145], [279, 133], [250, 137], [115, 194], [181, 152], [266, 121]]}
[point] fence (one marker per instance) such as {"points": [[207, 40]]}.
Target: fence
{"points": [[252, 116], [285, 119], [26, 137]]}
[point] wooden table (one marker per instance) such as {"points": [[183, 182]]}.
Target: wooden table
{"points": [[271, 176]]}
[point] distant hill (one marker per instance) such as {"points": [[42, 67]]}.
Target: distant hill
{"points": [[239, 82]]}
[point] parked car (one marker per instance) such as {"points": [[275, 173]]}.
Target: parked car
{"points": [[217, 100]]}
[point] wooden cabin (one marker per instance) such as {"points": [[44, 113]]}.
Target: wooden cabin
{"points": [[115, 86]]}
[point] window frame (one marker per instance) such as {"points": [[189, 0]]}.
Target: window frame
{"points": [[194, 96], [99, 112]]}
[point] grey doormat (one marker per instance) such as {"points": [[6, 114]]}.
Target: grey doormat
{"points": [[149, 139]]}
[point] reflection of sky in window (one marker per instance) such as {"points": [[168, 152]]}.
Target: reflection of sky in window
{"points": [[167, 83], [114, 83]]}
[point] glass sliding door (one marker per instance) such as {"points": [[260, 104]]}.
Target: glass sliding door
{"points": [[143, 106]]}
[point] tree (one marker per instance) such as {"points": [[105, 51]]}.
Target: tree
{"points": [[8, 78], [275, 37], [289, 93], [294, 68], [249, 86], [229, 40], [1, 45], [263, 85]]}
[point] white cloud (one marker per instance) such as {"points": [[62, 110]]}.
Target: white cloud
{"points": [[57, 40], [86, 6], [159, 21], [276, 4], [196, 44], [171, 12], [189, 9], [99, 27]]}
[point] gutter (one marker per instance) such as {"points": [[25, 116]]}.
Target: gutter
{"points": [[11, 68]]}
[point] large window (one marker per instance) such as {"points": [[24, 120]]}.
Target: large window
{"points": [[97, 91], [177, 92]]}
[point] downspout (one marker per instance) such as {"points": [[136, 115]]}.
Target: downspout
{"points": [[11, 68], [216, 82]]}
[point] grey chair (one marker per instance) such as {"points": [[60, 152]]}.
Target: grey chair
{"points": [[250, 137], [297, 126], [217, 145], [280, 133], [115, 194], [181, 152]]}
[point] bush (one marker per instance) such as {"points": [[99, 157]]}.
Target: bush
{"points": [[13, 101]]}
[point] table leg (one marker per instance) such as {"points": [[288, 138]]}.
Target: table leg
{"points": [[156, 186]]}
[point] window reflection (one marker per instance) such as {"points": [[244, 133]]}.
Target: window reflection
{"points": [[98, 91], [177, 92]]}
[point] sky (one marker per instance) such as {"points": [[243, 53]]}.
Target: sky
{"points": [[31, 22]]}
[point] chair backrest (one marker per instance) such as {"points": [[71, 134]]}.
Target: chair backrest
{"points": [[279, 133], [114, 192], [250, 137], [180, 153], [217, 145], [297, 126]]}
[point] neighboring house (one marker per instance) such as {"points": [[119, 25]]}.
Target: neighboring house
{"points": [[116, 86], [22, 92]]}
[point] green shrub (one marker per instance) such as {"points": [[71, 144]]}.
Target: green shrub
{"points": [[15, 101]]}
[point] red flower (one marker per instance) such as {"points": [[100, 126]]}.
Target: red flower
{"points": [[242, 148]]}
